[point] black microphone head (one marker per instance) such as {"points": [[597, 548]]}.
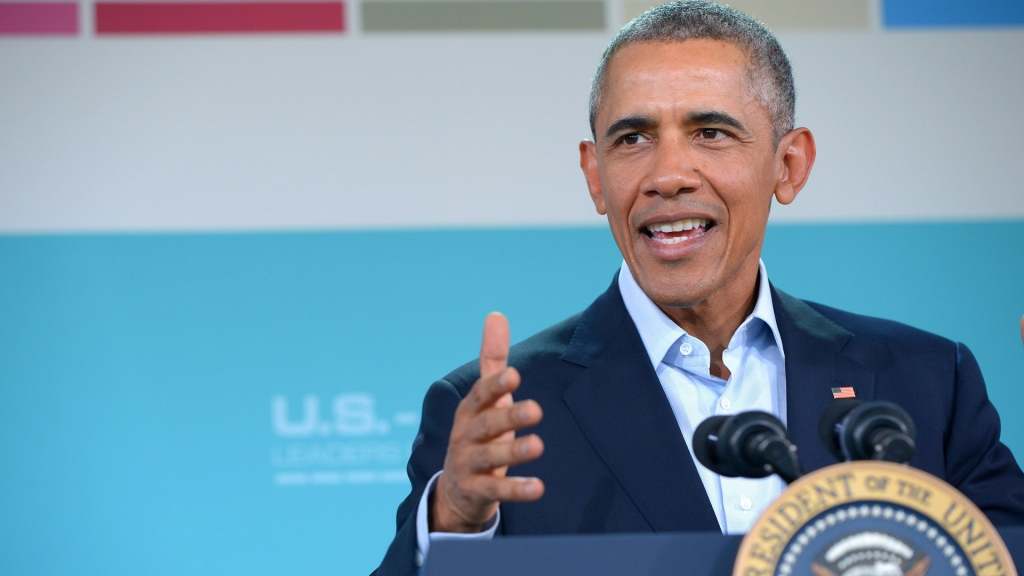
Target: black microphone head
{"points": [[878, 431], [749, 444], [830, 418], [732, 448], [705, 437]]}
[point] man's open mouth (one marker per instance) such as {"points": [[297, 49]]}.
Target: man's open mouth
{"points": [[678, 230]]}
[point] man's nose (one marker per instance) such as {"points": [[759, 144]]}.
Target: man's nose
{"points": [[673, 169]]}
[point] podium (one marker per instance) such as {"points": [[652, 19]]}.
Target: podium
{"points": [[696, 554], [864, 517]]}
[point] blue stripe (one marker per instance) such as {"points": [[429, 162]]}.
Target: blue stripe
{"points": [[952, 13]]}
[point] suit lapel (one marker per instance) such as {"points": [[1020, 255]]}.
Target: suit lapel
{"points": [[815, 364], [622, 409]]}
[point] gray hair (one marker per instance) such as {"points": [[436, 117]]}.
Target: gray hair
{"points": [[770, 72]]}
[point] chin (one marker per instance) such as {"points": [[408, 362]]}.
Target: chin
{"points": [[674, 294]]}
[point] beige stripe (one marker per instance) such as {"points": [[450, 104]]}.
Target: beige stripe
{"points": [[788, 14], [459, 15]]}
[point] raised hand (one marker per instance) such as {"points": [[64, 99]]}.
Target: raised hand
{"points": [[483, 444]]}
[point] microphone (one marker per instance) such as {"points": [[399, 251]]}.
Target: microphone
{"points": [[856, 430], [749, 444]]}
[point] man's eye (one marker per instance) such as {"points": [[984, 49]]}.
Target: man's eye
{"points": [[712, 134], [632, 139]]}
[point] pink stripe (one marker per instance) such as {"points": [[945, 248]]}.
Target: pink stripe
{"points": [[218, 17], [38, 18]]}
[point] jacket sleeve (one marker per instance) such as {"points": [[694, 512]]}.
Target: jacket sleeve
{"points": [[428, 452], [977, 463]]}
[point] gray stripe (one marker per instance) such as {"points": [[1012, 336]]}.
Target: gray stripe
{"points": [[787, 14], [430, 15]]}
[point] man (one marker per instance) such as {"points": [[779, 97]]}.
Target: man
{"points": [[692, 115]]}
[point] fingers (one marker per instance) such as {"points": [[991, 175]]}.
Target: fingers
{"points": [[486, 392], [494, 348], [487, 457], [465, 504], [510, 489], [492, 423], [483, 445]]}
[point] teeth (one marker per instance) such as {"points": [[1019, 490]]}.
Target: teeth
{"points": [[678, 226]]}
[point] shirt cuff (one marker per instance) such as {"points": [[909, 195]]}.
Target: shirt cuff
{"points": [[424, 535]]}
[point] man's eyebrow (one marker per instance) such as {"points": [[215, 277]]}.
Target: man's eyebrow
{"points": [[628, 123], [715, 117]]}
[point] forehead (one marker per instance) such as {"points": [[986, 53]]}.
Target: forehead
{"points": [[688, 74]]}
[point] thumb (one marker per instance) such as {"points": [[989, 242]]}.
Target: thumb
{"points": [[494, 349]]}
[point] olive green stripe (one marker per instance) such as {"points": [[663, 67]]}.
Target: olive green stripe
{"points": [[462, 15]]}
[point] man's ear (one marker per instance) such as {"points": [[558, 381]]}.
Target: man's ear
{"points": [[588, 162], [794, 158]]}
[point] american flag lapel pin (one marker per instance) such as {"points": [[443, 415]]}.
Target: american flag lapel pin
{"points": [[844, 392]]}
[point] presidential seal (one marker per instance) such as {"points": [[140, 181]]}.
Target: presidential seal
{"points": [[871, 518]]}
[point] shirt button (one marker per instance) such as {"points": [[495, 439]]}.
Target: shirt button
{"points": [[685, 348], [725, 404], [419, 559], [746, 504]]}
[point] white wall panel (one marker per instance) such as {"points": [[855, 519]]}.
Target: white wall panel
{"points": [[385, 131]]}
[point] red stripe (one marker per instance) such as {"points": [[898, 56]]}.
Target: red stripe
{"points": [[38, 18], [213, 17]]}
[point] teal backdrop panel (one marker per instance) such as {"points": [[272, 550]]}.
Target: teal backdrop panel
{"points": [[244, 403]]}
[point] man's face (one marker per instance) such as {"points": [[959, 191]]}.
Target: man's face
{"points": [[685, 167]]}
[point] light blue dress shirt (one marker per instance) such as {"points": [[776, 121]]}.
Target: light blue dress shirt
{"points": [[757, 381], [756, 361]]}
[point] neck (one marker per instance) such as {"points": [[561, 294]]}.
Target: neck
{"points": [[715, 320]]}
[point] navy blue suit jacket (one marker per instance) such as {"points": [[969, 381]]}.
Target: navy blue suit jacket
{"points": [[615, 460]]}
